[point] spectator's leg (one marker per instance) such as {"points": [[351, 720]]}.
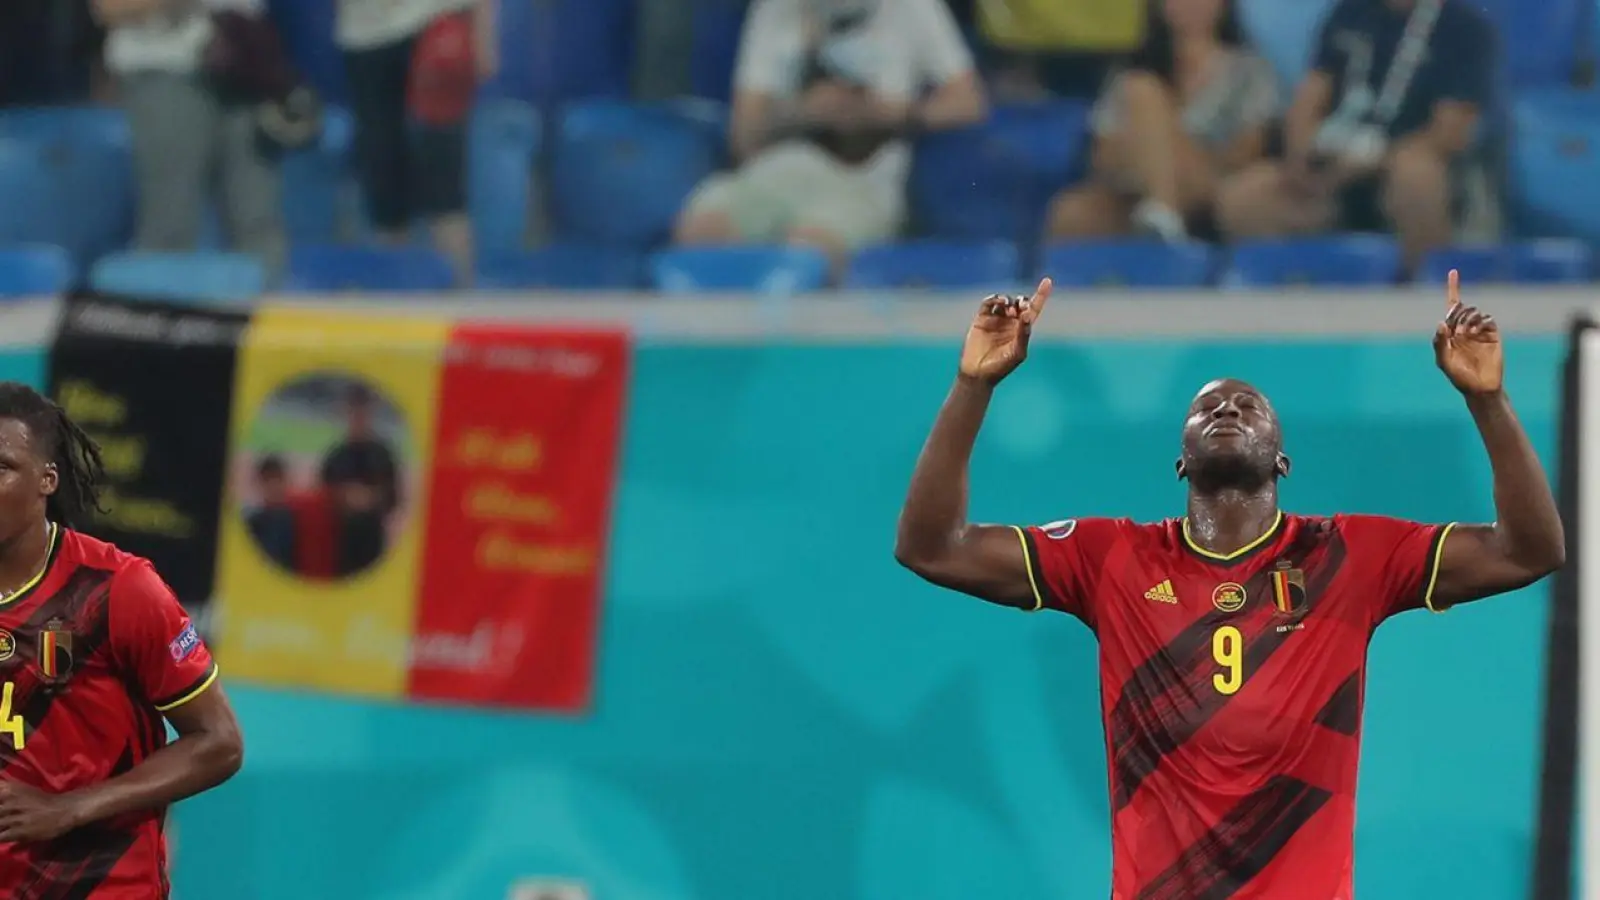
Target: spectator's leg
{"points": [[754, 204], [707, 216], [1092, 209], [1257, 202], [377, 90], [175, 128], [1416, 198], [249, 187], [838, 209], [1151, 140], [440, 181]]}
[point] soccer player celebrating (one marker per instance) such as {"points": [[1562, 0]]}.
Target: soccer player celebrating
{"points": [[1233, 640], [94, 653]]}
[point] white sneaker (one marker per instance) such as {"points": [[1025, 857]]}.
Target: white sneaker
{"points": [[1160, 220]]}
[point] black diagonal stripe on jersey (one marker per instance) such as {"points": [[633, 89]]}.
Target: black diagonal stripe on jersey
{"points": [[82, 603], [1241, 844], [1342, 712], [79, 862], [74, 866], [1168, 698]]}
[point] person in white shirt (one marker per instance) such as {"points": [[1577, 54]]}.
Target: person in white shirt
{"points": [[827, 94], [191, 144], [411, 161]]}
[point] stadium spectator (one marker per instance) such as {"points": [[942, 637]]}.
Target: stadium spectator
{"points": [[1032, 49], [1192, 106], [192, 144], [413, 68], [1379, 129], [826, 95]]}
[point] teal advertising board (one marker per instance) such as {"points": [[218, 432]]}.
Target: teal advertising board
{"points": [[784, 713]]}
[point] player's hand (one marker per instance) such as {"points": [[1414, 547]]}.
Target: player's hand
{"points": [[997, 342], [29, 814], [1467, 345]]}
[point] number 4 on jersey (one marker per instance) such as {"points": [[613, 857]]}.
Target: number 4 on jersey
{"points": [[11, 724]]}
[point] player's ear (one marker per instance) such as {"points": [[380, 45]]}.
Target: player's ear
{"points": [[49, 480], [1281, 466], [1182, 472]]}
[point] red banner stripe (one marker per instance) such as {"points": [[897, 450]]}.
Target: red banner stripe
{"points": [[519, 511]]}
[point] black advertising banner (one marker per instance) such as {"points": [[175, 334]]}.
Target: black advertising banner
{"points": [[152, 383]]}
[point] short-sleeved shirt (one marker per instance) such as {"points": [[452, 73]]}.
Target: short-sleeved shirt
{"points": [[1240, 93], [92, 655], [1232, 688], [905, 48], [1360, 40]]}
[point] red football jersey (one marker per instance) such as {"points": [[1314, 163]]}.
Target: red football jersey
{"points": [[91, 655], [1231, 690]]}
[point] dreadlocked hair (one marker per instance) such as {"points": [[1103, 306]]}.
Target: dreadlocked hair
{"points": [[80, 471]]}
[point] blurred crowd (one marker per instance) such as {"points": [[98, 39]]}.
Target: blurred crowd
{"points": [[1370, 116]]}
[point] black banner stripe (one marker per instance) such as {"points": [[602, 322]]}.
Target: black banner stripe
{"points": [[1554, 846], [152, 383]]}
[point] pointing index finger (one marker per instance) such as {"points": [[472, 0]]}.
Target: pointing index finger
{"points": [[1452, 290], [1041, 295]]}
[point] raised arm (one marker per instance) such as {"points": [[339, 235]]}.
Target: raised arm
{"points": [[935, 540], [1526, 541]]}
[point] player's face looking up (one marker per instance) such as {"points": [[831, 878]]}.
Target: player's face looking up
{"points": [[27, 478], [1231, 439]]}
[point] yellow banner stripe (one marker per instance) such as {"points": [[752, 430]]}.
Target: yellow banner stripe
{"points": [[346, 635]]}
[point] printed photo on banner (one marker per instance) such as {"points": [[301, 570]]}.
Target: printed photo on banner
{"points": [[324, 477]]}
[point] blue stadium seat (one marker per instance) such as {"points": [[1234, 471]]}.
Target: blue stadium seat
{"points": [[1551, 261], [1555, 152], [768, 270], [717, 26], [559, 50], [503, 144], [993, 181], [1538, 39], [316, 179], [1284, 32], [180, 277], [621, 172], [34, 270], [104, 124], [1128, 263], [66, 181], [1357, 259], [563, 267], [315, 269], [935, 264], [1477, 263], [1542, 261]]}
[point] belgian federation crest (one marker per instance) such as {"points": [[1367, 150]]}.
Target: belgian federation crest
{"points": [[55, 651], [1288, 590], [8, 645]]}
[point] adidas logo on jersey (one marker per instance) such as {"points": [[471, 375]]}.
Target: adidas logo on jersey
{"points": [[1162, 593]]}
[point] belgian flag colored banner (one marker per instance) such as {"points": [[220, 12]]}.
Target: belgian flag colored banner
{"points": [[417, 509], [150, 382]]}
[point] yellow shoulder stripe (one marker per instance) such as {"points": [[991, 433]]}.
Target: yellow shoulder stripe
{"points": [[1433, 568], [1027, 560], [201, 689]]}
